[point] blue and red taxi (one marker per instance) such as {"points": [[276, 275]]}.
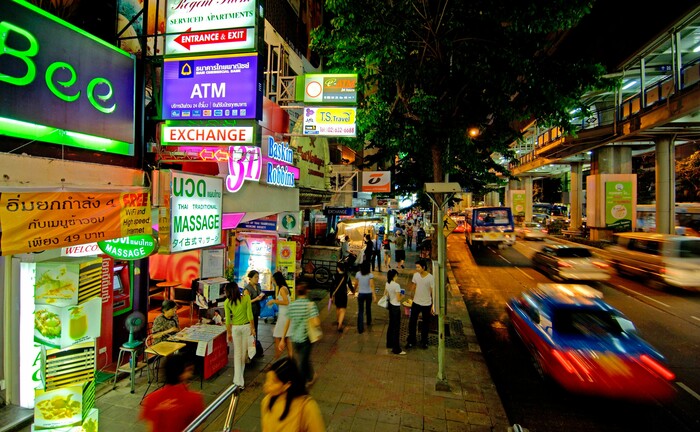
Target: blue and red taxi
{"points": [[587, 346]]}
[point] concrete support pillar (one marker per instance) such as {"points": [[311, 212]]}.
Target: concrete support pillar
{"points": [[611, 160], [576, 194], [665, 185], [527, 181]]}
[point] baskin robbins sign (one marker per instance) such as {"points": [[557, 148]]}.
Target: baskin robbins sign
{"points": [[278, 164]]}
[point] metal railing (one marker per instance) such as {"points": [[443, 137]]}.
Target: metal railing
{"points": [[228, 424]]}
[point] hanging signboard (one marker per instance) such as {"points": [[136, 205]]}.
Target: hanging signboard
{"points": [[37, 221], [130, 248], [206, 135], [376, 181], [206, 26], [327, 88], [205, 88], [329, 121]]}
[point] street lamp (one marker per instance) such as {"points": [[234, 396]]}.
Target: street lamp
{"points": [[447, 191]]}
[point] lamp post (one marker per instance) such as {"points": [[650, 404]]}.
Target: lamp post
{"points": [[447, 191]]}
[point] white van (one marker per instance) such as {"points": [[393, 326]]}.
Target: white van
{"points": [[667, 259]]}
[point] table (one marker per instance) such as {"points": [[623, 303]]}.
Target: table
{"points": [[167, 287], [160, 350], [211, 346]]}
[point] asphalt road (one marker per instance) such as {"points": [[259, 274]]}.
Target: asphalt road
{"points": [[668, 320]]}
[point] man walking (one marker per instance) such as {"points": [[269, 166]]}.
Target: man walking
{"points": [[423, 285]]}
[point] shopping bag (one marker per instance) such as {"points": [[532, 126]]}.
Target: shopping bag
{"points": [[384, 302], [251, 346]]}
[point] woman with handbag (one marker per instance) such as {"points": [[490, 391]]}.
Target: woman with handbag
{"points": [[287, 405], [394, 293], [282, 301], [302, 314], [239, 325], [339, 296], [254, 291]]}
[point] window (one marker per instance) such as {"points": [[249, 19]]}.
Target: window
{"points": [[690, 249], [585, 322], [574, 253]]}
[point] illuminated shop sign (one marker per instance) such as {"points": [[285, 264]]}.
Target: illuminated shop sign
{"points": [[244, 163], [278, 158], [329, 121], [205, 88], [327, 88], [195, 203], [178, 135], [62, 85], [205, 26]]}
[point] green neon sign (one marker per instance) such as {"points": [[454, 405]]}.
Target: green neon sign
{"points": [[130, 248]]}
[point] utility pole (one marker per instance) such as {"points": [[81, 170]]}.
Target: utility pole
{"points": [[446, 191]]}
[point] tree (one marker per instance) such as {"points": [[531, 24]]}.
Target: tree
{"points": [[429, 71], [688, 178]]}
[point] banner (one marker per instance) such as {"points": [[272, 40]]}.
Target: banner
{"points": [[37, 221], [518, 202], [287, 262]]}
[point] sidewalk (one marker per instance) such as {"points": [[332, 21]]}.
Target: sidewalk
{"points": [[360, 387]]}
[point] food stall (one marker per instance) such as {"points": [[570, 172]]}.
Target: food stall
{"points": [[356, 229]]}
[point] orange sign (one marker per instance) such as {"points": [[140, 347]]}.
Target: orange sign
{"points": [[37, 221]]}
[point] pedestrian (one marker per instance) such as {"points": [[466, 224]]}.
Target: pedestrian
{"points": [[287, 405], [409, 236], [364, 291], [239, 325], [395, 293], [423, 285], [369, 246], [377, 252], [339, 296], [174, 406], [344, 246], [399, 251], [420, 236], [282, 301], [386, 247], [254, 291], [300, 312], [165, 323]]}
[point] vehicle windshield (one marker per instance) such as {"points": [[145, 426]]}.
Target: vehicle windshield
{"points": [[585, 322], [690, 249], [574, 253], [492, 217]]}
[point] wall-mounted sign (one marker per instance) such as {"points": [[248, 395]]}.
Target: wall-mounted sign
{"points": [[338, 211], [289, 223], [195, 204], [327, 88], [264, 224], [329, 121], [376, 181], [37, 221], [207, 135], [50, 66], [204, 88], [244, 163], [202, 26], [278, 169], [618, 205], [130, 248]]}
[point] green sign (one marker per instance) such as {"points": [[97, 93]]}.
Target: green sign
{"points": [[130, 248], [518, 203], [618, 205]]}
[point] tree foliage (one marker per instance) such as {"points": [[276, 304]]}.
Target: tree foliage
{"points": [[688, 178], [431, 70]]}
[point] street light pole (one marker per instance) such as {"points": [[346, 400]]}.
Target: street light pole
{"points": [[447, 191]]}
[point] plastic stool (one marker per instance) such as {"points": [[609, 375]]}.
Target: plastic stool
{"points": [[133, 366]]}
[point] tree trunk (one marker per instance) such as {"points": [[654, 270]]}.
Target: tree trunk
{"points": [[438, 177]]}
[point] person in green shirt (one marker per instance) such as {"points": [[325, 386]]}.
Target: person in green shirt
{"points": [[239, 326]]}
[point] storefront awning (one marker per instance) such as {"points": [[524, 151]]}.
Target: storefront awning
{"points": [[258, 200]]}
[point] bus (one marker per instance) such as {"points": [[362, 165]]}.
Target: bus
{"points": [[687, 216], [489, 226]]}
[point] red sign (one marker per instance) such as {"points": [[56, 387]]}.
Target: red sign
{"points": [[212, 37]]}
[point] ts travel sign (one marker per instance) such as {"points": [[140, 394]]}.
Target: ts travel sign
{"points": [[329, 121], [211, 25], [62, 85], [206, 88]]}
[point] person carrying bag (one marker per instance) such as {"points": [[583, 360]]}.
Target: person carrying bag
{"points": [[302, 314]]}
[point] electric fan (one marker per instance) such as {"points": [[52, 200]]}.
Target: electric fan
{"points": [[134, 322]]}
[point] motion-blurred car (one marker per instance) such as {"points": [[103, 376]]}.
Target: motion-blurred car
{"points": [[530, 231], [566, 262], [587, 346], [540, 218]]}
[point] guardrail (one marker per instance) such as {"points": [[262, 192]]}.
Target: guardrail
{"points": [[228, 424]]}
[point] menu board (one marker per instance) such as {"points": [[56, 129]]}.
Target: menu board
{"points": [[212, 263]]}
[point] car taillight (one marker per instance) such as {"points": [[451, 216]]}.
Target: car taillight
{"points": [[571, 363], [601, 265], [563, 264], [657, 367], [544, 231]]}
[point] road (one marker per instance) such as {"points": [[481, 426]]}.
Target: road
{"points": [[668, 320]]}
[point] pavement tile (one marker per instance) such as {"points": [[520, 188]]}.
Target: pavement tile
{"points": [[478, 419], [434, 424], [387, 427], [456, 415], [362, 425], [457, 426], [409, 420]]}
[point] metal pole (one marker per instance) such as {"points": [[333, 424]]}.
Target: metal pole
{"points": [[441, 296]]}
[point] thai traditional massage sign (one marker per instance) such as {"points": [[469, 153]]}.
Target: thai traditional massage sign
{"points": [[37, 221]]}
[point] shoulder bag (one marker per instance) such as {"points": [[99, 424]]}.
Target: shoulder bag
{"points": [[314, 331]]}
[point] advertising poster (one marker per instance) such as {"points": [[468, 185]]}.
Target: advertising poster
{"points": [[330, 121], [255, 252], [37, 221], [206, 88], [60, 327], [327, 88], [289, 223], [618, 205], [518, 202], [195, 204], [287, 262]]}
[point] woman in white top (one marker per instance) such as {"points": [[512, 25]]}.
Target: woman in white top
{"points": [[364, 291], [395, 293], [282, 301]]}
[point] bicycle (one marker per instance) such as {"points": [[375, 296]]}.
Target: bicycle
{"points": [[320, 269]]}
